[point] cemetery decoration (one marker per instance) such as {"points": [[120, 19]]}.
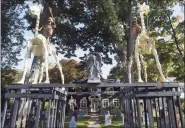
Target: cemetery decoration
{"points": [[108, 120], [143, 45], [80, 114], [94, 68], [72, 123]]}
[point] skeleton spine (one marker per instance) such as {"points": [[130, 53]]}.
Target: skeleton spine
{"points": [[143, 29], [37, 25]]}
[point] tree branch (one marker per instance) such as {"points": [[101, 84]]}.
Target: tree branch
{"points": [[174, 35]]}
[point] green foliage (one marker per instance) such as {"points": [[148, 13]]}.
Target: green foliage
{"points": [[162, 23], [115, 124], [72, 71], [95, 25], [8, 76], [82, 123], [117, 73], [12, 29]]}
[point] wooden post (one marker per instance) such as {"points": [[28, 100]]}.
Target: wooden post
{"points": [[130, 45]]}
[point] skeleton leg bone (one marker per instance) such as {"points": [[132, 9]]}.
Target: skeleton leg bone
{"points": [[144, 66], [41, 73], [154, 51], [129, 69], [27, 56], [59, 66], [138, 61], [46, 65]]}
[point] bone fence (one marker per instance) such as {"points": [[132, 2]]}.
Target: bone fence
{"points": [[144, 105]]}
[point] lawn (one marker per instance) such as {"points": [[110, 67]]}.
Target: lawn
{"points": [[115, 124], [82, 123]]}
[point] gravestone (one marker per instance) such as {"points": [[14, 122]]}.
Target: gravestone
{"points": [[80, 114], [108, 120], [122, 115], [72, 123]]}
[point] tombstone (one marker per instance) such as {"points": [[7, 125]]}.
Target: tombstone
{"points": [[72, 123], [118, 115], [108, 119], [80, 114], [122, 115]]}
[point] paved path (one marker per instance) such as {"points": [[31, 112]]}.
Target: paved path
{"points": [[94, 121]]}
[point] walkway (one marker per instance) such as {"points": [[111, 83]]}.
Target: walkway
{"points": [[94, 121]]}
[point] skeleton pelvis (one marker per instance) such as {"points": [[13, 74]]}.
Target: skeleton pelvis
{"points": [[38, 50], [39, 40], [145, 47], [38, 44]]}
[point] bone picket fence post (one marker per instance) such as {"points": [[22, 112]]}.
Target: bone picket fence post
{"points": [[38, 113]]}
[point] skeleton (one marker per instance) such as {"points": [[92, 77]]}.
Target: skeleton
{"points": [[145, 45], [40, 46], [72, 103]]}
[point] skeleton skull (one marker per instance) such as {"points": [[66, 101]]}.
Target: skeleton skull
{"points": [[35, 10], [144, 8]]}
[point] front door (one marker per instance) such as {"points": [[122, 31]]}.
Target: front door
{"points": [[94, 105]]}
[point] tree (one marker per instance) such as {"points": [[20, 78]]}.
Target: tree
{"points": [[95, 25], [72, 71], [8, 76], [12, 29]]}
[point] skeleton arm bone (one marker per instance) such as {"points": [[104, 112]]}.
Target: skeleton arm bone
{"points": [[27, 56]]}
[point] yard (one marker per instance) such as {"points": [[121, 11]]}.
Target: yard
{"points": [[82, 123], [115, 124]]}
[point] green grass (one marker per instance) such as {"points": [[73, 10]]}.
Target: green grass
{"points": [[82, 123], [115, 124]]}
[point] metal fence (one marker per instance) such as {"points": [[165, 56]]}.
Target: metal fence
{"points": [[153, 106], [42, 107]]}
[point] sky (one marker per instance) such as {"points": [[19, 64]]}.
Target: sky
{"points": [[105, 68]]}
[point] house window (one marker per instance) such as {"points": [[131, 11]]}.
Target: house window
{"points": [[94, 90], [105, 103], [83, 103], [116, 102]]}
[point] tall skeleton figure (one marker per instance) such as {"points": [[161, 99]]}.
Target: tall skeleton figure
{"points": [[145, 45], [40, 46]]}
